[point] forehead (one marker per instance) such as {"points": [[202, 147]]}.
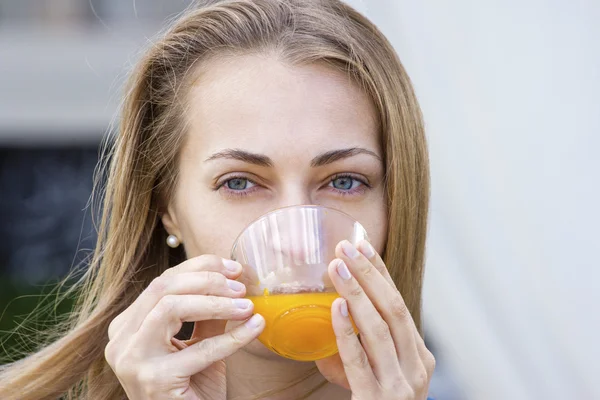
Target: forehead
{"points": [[261, 104]]}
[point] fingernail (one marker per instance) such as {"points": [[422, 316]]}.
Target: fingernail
{"points": [[231, 265], [343, 270], [349, 250], [367, 250], [235, 285], [242, 303], [344, 308], [254, 322]]}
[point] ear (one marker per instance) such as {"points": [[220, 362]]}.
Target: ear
{"points": [[169, 221]]}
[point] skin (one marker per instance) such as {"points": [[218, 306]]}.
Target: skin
{"points": [[289, 116]]}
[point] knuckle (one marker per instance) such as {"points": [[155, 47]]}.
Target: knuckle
{"points": [[215, 307], [401, 389], [158, 285], [429, 362], [208, 349], [348, 332], [236, 338], [205, 261], [123, 369], [215, 279], [121, 359], [382, 268], [380, 331], [165, 306], [356, 291], [368, 270], [113, 327], [199, 263], [211, 259], [398, 308], [109, 353], [359, 361], [172, 271], [419, 379]]}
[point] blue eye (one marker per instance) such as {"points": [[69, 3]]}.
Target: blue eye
{"points": [[345, 183], [238, 184]]}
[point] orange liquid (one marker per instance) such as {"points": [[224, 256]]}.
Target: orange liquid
{"points": [[298, 326]]}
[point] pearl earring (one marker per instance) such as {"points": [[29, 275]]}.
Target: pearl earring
{"points": [[173, 241]]}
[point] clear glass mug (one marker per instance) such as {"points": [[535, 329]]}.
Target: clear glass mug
{"points": [[285, 254]]}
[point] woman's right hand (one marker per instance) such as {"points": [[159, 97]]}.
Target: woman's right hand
{"points": [[142, 351]]}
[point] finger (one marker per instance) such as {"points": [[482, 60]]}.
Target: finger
{"points": [[388, 301], [216, 272], [370, 254], [199, 356], [352, 354], [425, 355], [427, 358], [375, 335], [204, 282], [166, 318], [207, 262]]}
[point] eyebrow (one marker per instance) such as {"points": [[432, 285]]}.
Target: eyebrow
{"points": [[264, 161], [242, 155], [336, 155]]}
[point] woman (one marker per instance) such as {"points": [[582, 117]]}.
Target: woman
{"points": [[240, 108]]}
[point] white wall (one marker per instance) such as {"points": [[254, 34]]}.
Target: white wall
{"points": [[62, 85], [511, 96]]}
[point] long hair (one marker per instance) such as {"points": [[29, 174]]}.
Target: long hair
{"points": [[142, 172]]}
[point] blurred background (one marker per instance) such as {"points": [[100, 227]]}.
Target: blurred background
{"points": [[510, 93]]}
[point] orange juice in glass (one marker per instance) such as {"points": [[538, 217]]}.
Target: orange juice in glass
{"points": [[285, 255]]}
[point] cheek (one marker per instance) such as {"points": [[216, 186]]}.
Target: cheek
{"points": [[377, 227], [210, 225], [373, 216], [206, 228], [209, 232]]}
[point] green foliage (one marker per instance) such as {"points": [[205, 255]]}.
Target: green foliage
{"points": [[26, 315]]}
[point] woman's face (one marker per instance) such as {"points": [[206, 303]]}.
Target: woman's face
{"points": [[262, 135]]}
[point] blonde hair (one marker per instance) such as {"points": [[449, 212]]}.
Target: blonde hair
{"points": [[131, 247]]}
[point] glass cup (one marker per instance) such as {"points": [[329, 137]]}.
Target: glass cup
{"points": [[285, 254]]}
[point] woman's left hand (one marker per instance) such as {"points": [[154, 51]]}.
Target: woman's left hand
{"points": [[390, 360]]}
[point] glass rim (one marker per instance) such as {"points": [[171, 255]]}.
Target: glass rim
{"points": [[285, 208]]}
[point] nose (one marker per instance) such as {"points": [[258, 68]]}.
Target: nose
{"points": [[296, 195], [298, 232]]}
